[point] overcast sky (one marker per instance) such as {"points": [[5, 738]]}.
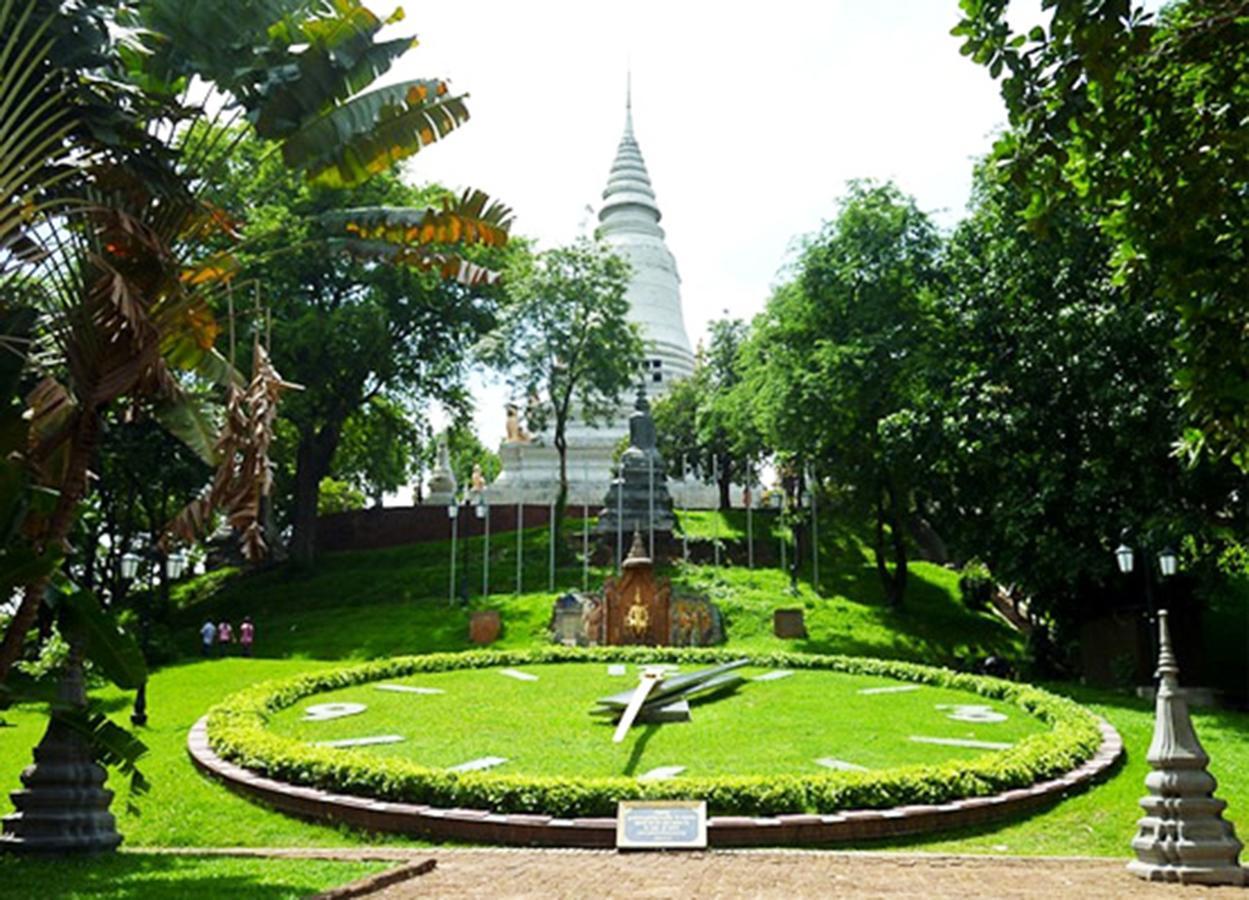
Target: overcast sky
{"points": [[751, 118]]}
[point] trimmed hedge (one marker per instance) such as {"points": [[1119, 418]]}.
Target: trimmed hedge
{"points": [[237, 732]]}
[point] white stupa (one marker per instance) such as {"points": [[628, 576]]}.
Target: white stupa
{"points": [[629, 224]]}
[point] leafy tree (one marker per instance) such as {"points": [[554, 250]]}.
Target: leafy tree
{"points": [[703, 418], [352, 333], [338, 496], [1057, 413], [1142, 122], [834, 364], [379, 452], [104, 232], [565, 336]]}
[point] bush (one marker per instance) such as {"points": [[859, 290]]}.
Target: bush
{"points": [[975, 583], [236, 731]]}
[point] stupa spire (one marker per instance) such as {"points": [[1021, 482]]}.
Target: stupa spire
{"points": [[629, 200]]}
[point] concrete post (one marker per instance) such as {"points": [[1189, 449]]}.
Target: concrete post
{"points": [[1182, 836]]}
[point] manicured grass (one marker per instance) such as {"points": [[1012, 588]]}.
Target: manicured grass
{"points": [[176, 877], [1102, 820], [376, 604], [544, 727], [371, 604], [182, 809]]}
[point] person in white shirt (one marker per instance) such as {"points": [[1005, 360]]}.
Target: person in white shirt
{"points": [[207, 633]]}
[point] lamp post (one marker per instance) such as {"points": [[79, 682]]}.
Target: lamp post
{"points": [[1168, 562], [453, 513], [483, 512], [174, 566]]}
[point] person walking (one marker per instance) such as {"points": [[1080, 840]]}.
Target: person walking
{"points": [[247, 633], [225, 637], [207, 634]]}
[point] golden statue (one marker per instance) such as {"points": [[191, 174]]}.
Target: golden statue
{"points": [[638, 619], [515, 432]]}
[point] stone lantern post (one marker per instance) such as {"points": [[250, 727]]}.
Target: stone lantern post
{"points": [[1182, 836]]}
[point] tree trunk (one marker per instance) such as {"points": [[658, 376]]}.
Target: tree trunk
{"points": [[726, 483], [561, 496], [895, 583], [879, 551], [312, 463]]}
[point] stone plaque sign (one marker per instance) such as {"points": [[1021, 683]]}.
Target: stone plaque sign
{"points": [[661, 824]]}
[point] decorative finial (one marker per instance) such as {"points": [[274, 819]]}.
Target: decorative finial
{"points": [[629, 102], [1167, 663]]}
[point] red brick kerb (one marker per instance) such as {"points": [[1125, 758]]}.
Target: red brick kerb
{"points": [[531, 829]]}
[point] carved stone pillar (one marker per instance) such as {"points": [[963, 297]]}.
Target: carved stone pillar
{"points": [[63, 804], [1183, 836]]}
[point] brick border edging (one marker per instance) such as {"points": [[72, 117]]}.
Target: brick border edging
{"points": [[486, 827]]}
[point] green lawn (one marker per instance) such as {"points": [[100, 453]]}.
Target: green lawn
{"points": [[364, 605], [176, 877], [543, 727]]}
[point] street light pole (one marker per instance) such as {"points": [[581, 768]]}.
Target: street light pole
{"points": [[483, 512], [1168, 561], [453, 511]]}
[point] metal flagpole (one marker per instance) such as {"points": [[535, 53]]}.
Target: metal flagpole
{"points": [[620, 520], [815, 531], [485, 556], [650, 504], [520, 540], [585, 532], [715, 478], [685, 508], [454, 511], [551, 579], [750, 521]]}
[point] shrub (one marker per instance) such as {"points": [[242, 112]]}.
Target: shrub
{"points": [[975, 583], [237, 732]]}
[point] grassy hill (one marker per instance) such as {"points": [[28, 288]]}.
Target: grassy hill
{"points": [[375, 603]]}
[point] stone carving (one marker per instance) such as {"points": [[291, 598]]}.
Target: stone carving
{"points": [[637, 604], [1182, 836], [629, 499], [568, 621], [695, 623], [516, 433], [442, 486], [478, 480]]}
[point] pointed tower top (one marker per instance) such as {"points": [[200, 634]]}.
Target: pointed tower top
{"points": [[629, 200]]}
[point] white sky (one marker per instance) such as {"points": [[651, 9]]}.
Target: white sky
{"points": [[751, 118]]}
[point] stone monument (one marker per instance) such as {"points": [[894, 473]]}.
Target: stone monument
{"points": [[1182, 836], [442, 486], [638, 499], [637, 605]]}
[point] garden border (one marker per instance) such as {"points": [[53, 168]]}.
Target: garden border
{"points": [[1085, 749], [486, 827]]}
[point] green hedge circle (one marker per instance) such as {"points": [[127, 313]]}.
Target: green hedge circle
{"points": [[237, 732]]}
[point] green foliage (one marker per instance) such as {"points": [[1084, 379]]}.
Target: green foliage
{"points": [[237, 731], [338, 496], [850, 336], [379, 449], [1056, 417], [976, 584], [565, 338], [705, 419], [1141, 123]]}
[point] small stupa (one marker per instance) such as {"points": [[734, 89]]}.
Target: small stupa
{"points": [[442, 484], [1182, 836], [638, 499]]}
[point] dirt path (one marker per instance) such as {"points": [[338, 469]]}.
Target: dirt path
{"points": [[601, 875]]}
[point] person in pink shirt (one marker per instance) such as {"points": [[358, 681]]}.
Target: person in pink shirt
{"points": [[225, 637], [247, 633]]}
